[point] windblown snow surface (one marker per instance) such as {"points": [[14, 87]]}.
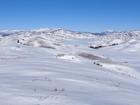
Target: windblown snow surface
{"points": [[60, 67]]}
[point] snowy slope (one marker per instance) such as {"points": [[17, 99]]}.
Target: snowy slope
{"points": [[59, 67]]}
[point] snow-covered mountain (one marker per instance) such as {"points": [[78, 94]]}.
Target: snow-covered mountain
{"points": [[62, 67]]}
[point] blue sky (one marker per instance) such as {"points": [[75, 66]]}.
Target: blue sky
{"points": [[78, 15]]}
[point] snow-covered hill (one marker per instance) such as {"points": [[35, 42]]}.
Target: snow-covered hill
{"points": [[62, 67]]}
